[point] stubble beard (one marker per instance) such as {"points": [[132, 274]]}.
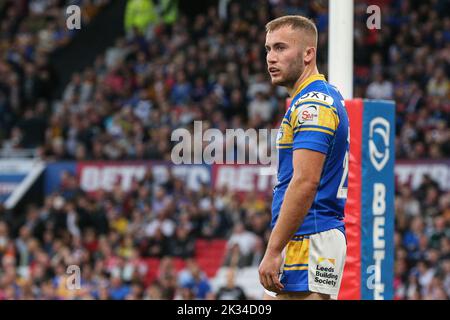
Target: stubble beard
{"points": [[291, 77]]}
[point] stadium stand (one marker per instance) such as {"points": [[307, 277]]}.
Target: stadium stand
{"points": [[165, 241]]}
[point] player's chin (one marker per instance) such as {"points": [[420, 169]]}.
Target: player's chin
{"points": [[277, 80]]}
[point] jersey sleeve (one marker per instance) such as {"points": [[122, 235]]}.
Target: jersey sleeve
{"points": [[314, 125]]}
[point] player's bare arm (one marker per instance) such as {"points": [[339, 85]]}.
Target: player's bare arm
{"points": [[299, 196]]}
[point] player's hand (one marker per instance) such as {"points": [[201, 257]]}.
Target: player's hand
{"points": [[269, 271]]}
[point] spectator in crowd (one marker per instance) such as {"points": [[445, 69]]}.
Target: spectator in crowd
{"points": [[231, 291], [198, 283], [380, 88], [241, 245], [139, 14]]}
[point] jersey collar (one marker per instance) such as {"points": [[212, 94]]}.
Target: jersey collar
{"points": [[307, 81]]}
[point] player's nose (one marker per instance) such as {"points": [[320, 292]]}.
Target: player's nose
{"points": [[271, 58]]}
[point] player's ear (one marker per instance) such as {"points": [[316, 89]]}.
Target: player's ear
{"points": [[309, 54]]}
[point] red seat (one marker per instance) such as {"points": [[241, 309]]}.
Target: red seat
{"points": [[209, 255], [179, 264]]}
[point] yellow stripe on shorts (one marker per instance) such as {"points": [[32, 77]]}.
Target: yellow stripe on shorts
{"points": [[297, 255]]}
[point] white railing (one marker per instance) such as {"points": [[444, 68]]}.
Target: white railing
{"points": [[8, 153]]}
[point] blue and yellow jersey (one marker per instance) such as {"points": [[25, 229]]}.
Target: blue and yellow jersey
{"points": [[316, 120]]}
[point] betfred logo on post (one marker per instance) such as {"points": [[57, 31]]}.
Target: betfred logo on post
{"points": [[379, 132]]}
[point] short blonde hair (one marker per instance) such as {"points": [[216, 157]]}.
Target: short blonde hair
{"points": [[295, 22]]}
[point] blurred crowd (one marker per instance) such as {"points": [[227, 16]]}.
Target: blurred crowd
{"points": [[422, 242], [111, 235], [30, 30], [408, 61], [210, 68]]}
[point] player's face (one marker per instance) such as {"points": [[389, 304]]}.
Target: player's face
{"points": [[284, 56]]}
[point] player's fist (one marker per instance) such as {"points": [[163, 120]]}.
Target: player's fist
{"points": [[269, 271]]}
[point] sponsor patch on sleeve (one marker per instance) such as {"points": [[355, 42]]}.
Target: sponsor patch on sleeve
{"points": [[307, 114]]}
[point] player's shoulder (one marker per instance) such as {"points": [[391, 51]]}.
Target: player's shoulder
{"points": [[317, 104], [319, 92]]}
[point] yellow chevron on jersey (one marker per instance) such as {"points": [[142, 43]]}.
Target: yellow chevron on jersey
{"points": [[285, 135], [307, 116], [314, 117]]}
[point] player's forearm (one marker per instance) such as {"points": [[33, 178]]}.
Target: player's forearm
{"points": [[297, 201]]}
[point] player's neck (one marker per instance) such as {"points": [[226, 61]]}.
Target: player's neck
{"points": [[309, 71]]}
